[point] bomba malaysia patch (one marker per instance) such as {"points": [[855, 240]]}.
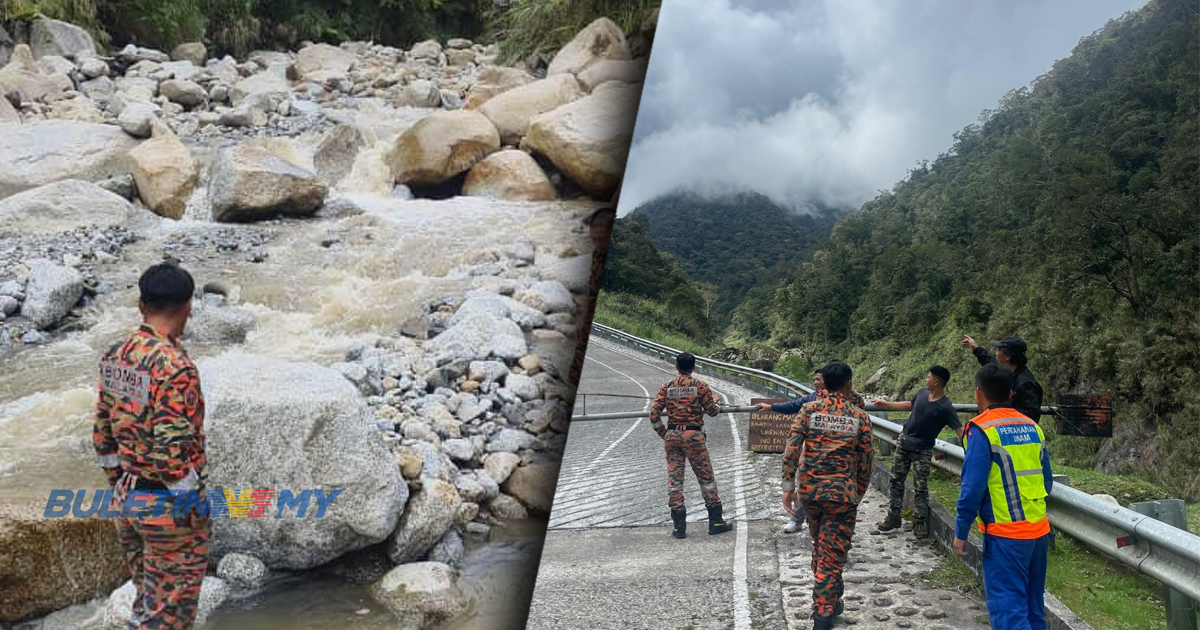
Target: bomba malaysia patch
{"points": [[125, 381], [833, 423], [682, 392]]}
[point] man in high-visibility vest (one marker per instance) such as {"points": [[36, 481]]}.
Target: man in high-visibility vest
{"points": [[1006, 479]]}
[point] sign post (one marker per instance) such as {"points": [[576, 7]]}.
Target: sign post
{"points": [[768, 430]]}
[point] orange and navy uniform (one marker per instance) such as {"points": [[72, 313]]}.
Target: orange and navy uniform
{"points": [[149, 435], [685, 400], [828, 462], [835, 435], [149, 419]]}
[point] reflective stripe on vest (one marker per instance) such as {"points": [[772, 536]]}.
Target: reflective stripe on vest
{"points": [[1016, 485]]}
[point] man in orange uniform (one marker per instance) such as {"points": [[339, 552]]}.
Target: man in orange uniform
{"points": [[834, 435], [685, 400], [149, 436]]}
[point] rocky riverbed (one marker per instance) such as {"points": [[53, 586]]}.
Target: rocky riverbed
{"points": [[390, 259]]}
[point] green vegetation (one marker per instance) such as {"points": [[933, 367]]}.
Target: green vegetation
{"points": [[1068, 216], [525, 28], [649, 288], [740, 245], [643, 318], [532, 30]]}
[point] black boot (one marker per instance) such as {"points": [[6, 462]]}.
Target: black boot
{"points": [[823, 623], [717, 524], [679, 517]]}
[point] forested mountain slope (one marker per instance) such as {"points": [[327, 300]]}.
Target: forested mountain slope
{"points": [[1069, 216]]}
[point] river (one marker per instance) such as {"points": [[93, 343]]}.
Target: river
{"points": [[316, 287]]}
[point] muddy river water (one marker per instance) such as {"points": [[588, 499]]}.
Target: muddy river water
{"points": [[323, 285]]}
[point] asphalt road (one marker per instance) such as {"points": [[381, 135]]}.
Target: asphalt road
{"points": [[609, 560]]}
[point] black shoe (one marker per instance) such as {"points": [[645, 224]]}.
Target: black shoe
{"points": [[716, 523], [822, 623], [679, 517]]}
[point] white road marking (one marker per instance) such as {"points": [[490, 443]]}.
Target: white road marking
{"points": [[741, 591], [645, 407]]}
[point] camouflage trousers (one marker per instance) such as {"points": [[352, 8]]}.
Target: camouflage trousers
{"points": [[832, 527], [168, 557], [919, 462], [689, 446]]}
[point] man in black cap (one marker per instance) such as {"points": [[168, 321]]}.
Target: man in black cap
{"points": [[1010, 353]]}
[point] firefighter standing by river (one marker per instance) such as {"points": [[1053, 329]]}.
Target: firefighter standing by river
{"points": [[149, 436]]}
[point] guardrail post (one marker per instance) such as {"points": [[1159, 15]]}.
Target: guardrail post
{"points": [[1181, 611]]}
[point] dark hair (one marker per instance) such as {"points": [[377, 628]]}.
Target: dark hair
{"points": [[836, 374], [165, 287], [686, 362], [1018, 358], [942, 373], [995, 381]]}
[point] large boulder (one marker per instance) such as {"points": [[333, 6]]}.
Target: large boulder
{"points": [[606, 70], [335, 155], [268, 85], [137, 118], [165, 174], [52, 37], [50, 293], [512, 175], [320, 63], [601, 39], [251, 183], [219, 325], [588, 140], [278, 424], [533, 486], [60, 207], [441, 146], [429, 514], [512, 110], [494, 80], [421, 594], [194, 52], [477, 336], [38, 153], [119, 609], [183, 92], [25, 78], [50, 563]]}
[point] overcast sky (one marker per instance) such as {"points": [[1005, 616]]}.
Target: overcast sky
{"points": [[832, 99]]}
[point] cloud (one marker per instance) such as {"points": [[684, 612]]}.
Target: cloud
{"points": [[832, 100]]}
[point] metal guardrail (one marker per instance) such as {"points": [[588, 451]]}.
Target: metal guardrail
{"points": [[1163, 552]]}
